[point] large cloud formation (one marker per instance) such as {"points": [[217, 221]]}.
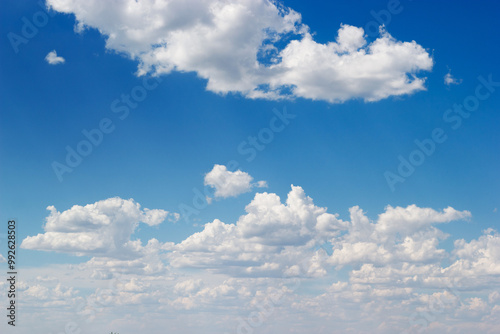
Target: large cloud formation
{"points": [[101, 228], [284, 262], [267, 241], [257, 48]]}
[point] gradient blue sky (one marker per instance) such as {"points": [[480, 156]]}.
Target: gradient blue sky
{"points": [[337, 152]]}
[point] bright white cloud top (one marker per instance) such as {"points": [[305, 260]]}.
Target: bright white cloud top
{"points": [[102, 228], [53, 59], [387, 275], [234, 46], [230, 184]]}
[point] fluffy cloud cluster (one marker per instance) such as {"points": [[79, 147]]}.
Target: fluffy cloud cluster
{"points": [[103, 228], [257, 48], [268, 240], [399, 235], [230, 184], [386, 275], [478, 257]]}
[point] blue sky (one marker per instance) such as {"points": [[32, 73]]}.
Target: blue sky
{"points": [[336, 148]]}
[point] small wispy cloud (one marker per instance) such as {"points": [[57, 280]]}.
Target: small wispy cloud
{"points": [[53, 59], [450, 80]]}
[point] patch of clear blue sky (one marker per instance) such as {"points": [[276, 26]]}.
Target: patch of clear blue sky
{"points": [[337, 153]]}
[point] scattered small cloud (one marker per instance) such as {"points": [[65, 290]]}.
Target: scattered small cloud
{"points": [[53, 59], [261, 184], [450, 80], [230, 184]]}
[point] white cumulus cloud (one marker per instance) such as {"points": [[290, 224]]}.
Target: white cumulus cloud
{"points": [[385, 274], [399, 235], [451, 80], [257, 48], [53, 59], [268, 240], [230, 184], [101, 228]]}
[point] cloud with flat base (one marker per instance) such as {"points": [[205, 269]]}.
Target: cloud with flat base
{"points": [[255, 48]]}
